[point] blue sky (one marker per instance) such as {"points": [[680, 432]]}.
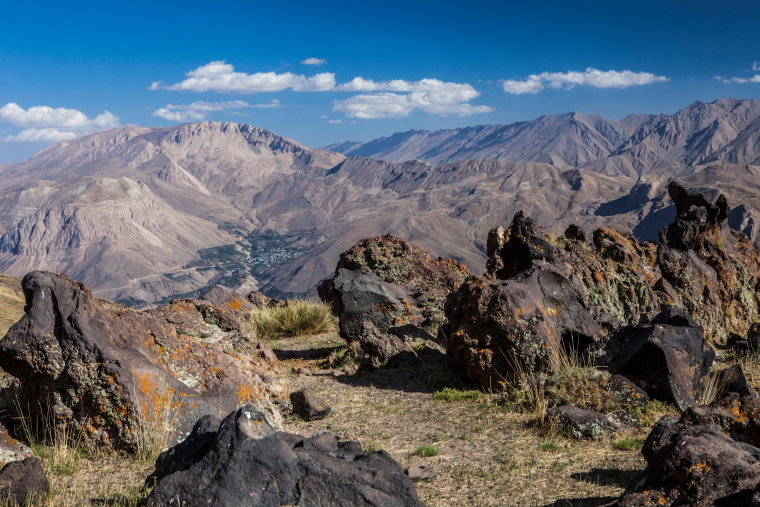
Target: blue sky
{"points": [[71, 68]]}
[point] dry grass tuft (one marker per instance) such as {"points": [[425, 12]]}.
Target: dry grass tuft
{"points": [[297, 318]]}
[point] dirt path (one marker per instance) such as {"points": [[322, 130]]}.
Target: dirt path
{"points": [[488, 454]]}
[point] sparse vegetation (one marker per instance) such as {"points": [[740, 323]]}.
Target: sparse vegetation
{"points": [[629, 444], [449, 395], [297, 318], [427, 451]]}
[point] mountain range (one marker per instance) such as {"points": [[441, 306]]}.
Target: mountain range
{"points": [[145, 214]]}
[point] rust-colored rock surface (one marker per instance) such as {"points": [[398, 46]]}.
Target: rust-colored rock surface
{"points": [[115, 373]]}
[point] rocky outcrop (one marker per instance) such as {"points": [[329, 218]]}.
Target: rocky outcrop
{"points": [[527, 317], [115, 373], [694, 465], [668, 361], [540, 292], [714, 270], [242, 460]]}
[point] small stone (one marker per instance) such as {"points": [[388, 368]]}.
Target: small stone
{"points": [[299, 370], [308, 405], [420, 471]]}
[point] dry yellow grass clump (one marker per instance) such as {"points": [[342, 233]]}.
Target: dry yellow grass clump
{"points": [[296, 318], [11, 302]]}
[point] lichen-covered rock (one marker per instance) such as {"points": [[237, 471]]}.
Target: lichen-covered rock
{"points": [[398, 262], [669, 362], [530, 317], [714, 270], [11, 449], [580, 423], [23, 482], [697, 466], [738, 416], [242, 460], [113, 372]]}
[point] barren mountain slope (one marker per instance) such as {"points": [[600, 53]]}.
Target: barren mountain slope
{"points": [[635, 145], [563, 140], [144, 214], [128, 210]]}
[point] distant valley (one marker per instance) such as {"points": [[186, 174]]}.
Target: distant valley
{"points": [[144, 214]]}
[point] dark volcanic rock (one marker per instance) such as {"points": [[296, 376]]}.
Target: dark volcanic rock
{"points": [[379, 348], [112, 372], [580, 423], [668, 362], [695, 465], [739, 416], [23, 482], [530, 316], [524, 243], [308, 405], [359, 297], [394, 261], [243, 461]]}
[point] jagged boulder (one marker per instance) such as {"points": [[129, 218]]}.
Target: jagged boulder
{"points": [[23, 482], [714, 270], [403, 273], [668, 361], [528, 317], [694, 465], [242, 460], [113, 372], [358, 297]]}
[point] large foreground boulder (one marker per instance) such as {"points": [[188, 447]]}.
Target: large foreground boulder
{"points": [[694, 465], [115, 373], [242, 460]]}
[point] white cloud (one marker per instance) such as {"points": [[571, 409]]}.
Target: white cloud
{"points": [[220, 76], [198, 111], [590, 77], [429, 95], [314, 61], [51, 135], [47, 124], [756, 66], [740, 80]]}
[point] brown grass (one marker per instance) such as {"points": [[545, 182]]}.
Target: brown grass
{"points": [[489, 454], [297, 318], [11, 302]]}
